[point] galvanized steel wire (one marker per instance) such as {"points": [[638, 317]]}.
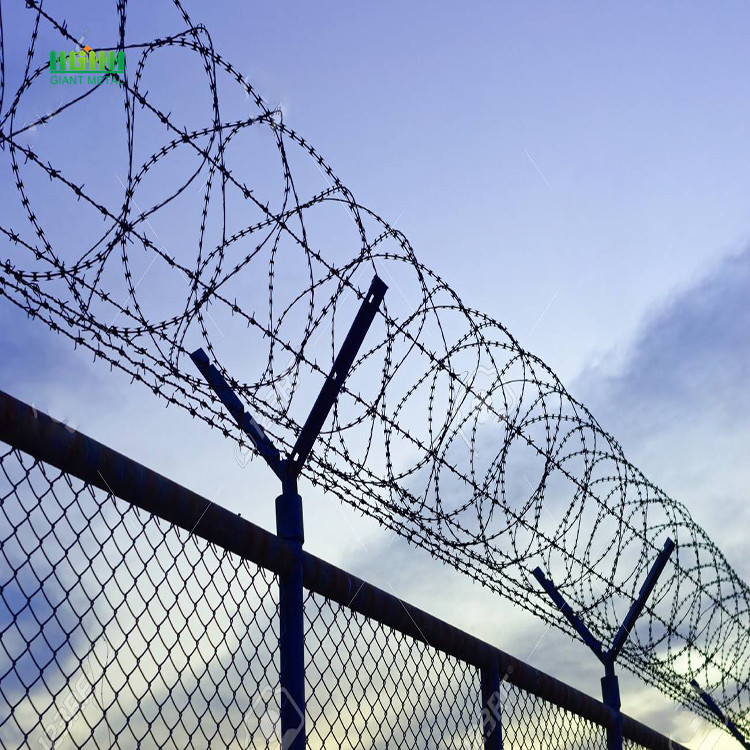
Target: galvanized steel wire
{"points": [[448, 431]]}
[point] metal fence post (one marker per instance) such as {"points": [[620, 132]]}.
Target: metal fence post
{"points": [[289, 526], [608, 657], [289, 523], [492, 735], [611, 698]]}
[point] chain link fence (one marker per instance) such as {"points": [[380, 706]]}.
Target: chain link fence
{"points": [[121, 630], [371, 686], [120, 627]]}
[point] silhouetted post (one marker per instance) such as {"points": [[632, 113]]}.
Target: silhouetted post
{"points": [[714, 708], [492, 729], [610, 685], [289, 526], [611, 698], [289, 521]]}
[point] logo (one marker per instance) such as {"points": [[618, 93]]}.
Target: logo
{"points": [[87, 66], [69, 706], [263, 720]]}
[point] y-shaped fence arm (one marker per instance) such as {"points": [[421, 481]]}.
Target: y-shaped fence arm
{"points": [[714, 708], [289, 520], [610, 685]]}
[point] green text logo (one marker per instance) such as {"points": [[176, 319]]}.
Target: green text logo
{"points": [[87, 66]]}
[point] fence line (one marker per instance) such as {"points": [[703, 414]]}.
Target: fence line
{"points": [[456, 406], [428, 649]]}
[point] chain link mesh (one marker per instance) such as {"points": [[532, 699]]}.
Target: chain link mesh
{"points": [[118, 629], [631, 745], [448, 431], [530, 722], [371, 686]]}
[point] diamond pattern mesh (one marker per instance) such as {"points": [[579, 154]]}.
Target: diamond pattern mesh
{"points": [[370, 686], [118, 629], [531, 723]]}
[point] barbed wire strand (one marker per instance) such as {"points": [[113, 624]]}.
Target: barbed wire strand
{"points": [[432, 449]]}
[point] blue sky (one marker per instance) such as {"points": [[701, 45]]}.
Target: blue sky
{"points": [[636, 116], [577, 171]]}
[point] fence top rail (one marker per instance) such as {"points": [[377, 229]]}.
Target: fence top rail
{"points": [[43, 437], [25, 428]]}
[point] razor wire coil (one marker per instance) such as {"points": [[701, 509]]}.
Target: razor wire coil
{"points": [[447, 431]]}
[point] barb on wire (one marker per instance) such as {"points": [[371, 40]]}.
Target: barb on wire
{"points": [[174, 209]]}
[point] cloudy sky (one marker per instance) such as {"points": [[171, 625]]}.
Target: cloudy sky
{"points": [[579, 172]]}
